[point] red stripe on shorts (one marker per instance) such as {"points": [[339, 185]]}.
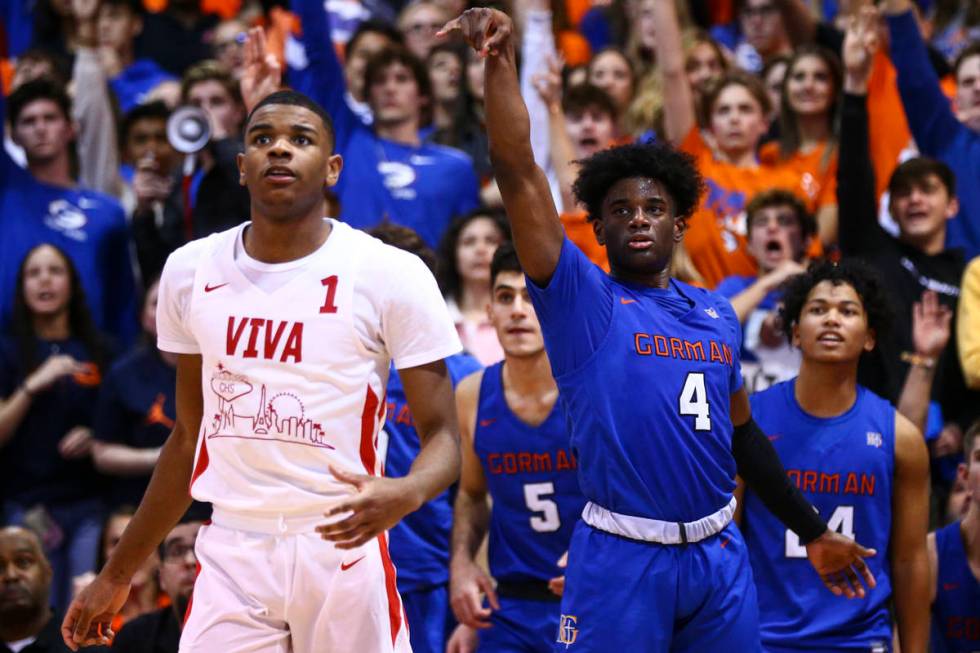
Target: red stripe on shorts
{"points": [[190, 601], [368, 426], [391, 587]]}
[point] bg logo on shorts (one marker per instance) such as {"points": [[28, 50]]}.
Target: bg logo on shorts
{"points": [[567, 632]]}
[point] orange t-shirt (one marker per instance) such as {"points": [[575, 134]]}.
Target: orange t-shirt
{"points": [[817, 170], [574, 48], [224, 8], [6, 76], [715, 238], [888, 130], [580, 232]]}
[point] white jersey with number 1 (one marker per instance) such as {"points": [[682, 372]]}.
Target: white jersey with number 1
{"points": [[295, 361]]}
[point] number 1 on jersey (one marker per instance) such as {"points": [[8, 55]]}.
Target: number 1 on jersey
{"points": [[694, 401], [328, 303]]}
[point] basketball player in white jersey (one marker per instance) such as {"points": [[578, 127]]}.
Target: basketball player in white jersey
{"points": [[285, 327]]}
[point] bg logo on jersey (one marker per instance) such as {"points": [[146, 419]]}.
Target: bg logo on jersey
{"points": [[567, 632]]}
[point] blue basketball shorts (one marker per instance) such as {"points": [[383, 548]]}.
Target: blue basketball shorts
{"points": [[430, 619], [521, 626], [628, 595]]}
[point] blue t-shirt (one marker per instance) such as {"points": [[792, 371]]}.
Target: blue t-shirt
{"points": [[32, 470], [17, 26], [645, 378], [530, 472], [763, 365], [844, 466], [956, 610], [89, 226], [136, 408], [423, 187], [937, 131], [736, 284], [132, 84], [419, 543]]}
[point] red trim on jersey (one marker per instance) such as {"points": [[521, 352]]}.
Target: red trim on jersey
{"points": [[190, 601], [369, 454], [391, 587], [382, 414], [202, 461]]}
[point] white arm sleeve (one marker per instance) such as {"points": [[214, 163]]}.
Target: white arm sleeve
{"points": [[415, 322], [538, 44], [98, 151]]}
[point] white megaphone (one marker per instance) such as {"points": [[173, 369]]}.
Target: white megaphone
{"points": [[188, 130]]}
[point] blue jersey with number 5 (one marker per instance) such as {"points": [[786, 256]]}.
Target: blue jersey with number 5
{"points": [[646, 376], [530, 473], [844, 466]]}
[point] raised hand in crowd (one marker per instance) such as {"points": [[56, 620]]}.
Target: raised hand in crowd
{"points": [[930, 333], [84, 12], [150, 185], [860, 45], [930, 326], [547, 83], [261, 74]]}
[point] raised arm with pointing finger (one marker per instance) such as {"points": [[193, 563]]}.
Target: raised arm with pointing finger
{"points": [[537, 231]]}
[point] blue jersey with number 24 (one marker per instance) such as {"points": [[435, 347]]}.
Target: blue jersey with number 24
{"points": [[844, 466]]}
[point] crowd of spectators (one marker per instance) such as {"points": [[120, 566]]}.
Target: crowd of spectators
{"points": [[823, 129]]}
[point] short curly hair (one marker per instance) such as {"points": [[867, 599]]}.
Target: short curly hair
{"points": [[675, 170], [865, 280]]}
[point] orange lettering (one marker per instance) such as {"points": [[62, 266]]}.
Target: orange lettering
{"points": [[644, 349], [676, 348]]}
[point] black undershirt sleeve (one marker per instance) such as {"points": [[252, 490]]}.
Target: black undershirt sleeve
{"points": [[760, 467]]}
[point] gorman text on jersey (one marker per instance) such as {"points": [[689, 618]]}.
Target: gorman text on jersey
{"points": [[651, 344]]}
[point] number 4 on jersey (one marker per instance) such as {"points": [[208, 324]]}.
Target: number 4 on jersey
{"points": [[842, 521], [694, 401]]}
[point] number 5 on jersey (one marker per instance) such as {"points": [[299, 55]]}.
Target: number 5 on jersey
{"points": [[546, 519]]}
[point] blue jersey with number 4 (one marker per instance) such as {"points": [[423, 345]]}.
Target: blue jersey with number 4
{"points": [[844, 466], [645, 378], [530, 473]]}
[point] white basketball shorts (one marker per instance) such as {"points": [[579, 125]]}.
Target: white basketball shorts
{"points": [[274, 586]]}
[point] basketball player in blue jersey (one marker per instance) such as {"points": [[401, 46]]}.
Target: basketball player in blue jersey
{"points": [[861, 463], [954, 561], [419, 543], [648, 374], [517, 453]]}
